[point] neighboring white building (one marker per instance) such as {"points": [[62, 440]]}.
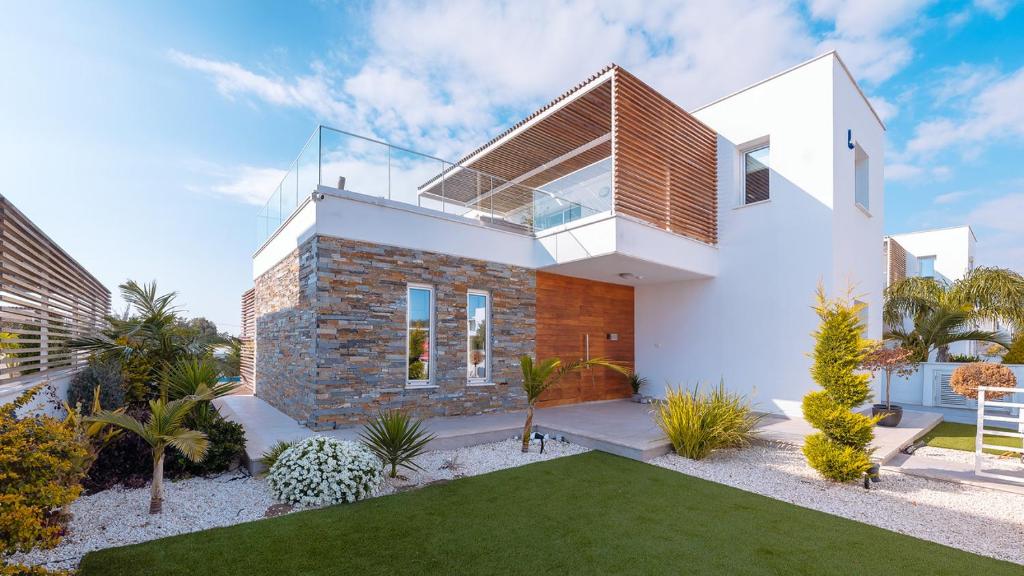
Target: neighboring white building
{"points": [[611, 223]]}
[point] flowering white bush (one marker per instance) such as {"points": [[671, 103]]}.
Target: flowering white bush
{"points": [[319, 471]]}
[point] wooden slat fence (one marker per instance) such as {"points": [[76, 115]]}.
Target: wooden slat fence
{"points": [[46, 299], [248, 338]]}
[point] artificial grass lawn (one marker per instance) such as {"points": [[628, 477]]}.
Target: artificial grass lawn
{"points": [[956, 436], [588, 514]]}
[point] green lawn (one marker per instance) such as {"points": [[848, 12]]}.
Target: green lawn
{"points": [[587, 514], [956, 436]]}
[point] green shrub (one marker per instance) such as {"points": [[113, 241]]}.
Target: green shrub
{"points": [[226, 448], [125, 461], [839, 451], [699, 422], [396, 439], [1015, 355], [269, 458], [40, 466], [104, 374], [636, 382], [963, 358], [197, 377]]}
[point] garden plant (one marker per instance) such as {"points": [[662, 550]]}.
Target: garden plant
{"points": [[698, 422], [838, 451], [396, 438], [319, 471]]}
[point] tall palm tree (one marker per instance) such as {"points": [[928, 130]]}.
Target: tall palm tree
{"points": [[150, 330], [943, 313], [538, 377], [163, 428]]}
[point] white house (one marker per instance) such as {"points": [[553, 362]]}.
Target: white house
{"points": [[609, 223]]}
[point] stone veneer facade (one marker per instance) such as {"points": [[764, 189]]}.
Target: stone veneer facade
{"points": [[331, 332]]}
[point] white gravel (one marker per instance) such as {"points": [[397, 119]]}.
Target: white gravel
{"points": [[991, 461], [118, 517], [978, 520]]}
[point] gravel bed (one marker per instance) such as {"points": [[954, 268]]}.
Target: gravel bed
{"points": [[118, 517], [992, 461], [978, 520]]}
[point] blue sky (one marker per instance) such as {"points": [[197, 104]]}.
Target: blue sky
{"points": [[143, 136]]}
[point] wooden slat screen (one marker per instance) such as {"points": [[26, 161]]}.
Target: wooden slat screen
{"points": [[248, 337], [895, 260], [46, 299], [666, 168]]}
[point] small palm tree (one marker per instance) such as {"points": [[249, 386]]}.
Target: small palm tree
{"points": [[946, 312], [538, 377], [199, 378], [163, 428]]}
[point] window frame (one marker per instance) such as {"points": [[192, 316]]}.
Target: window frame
{"points": [[744, 151], [487, 338], [431, 324], [860, 154], [921, 259]]}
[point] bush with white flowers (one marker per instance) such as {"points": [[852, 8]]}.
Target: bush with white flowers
{"points": [[319, 471]]}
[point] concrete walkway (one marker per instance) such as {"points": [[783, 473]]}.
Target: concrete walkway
{"points": [[619, 427], [951, 471], [887, 444]]}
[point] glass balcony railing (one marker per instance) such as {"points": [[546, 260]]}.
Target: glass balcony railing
{"points": [[354, 163]]}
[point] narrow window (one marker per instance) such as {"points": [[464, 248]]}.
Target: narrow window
{"points": [[478, 336], [927, 266], [862, 194], [755, 175], [420, 328], [863, 314]]}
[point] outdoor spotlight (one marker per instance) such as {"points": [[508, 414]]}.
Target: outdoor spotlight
{"points": [[630, 276], [539, 436]]}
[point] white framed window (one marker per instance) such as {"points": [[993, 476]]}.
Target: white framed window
{"points": [[756, 185], [926, 266], [478, 337], [419, 334], [861, 182]]}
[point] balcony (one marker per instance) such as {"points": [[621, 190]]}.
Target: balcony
{"points": [[611, 176], [344, 161]]}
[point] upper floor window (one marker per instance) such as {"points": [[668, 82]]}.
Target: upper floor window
{"points": [[755, 175], [419, 330], [478, 332], [926, 266], [861, 193]]}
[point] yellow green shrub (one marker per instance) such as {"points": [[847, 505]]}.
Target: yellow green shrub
{"points": [[839, 451], [40, 469]]}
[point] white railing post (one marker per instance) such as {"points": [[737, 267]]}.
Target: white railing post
{"points": [[979, 436]]}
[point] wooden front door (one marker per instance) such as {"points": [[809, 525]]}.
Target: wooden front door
{"points": [[576, 316]]}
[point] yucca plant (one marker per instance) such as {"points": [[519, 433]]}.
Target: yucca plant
{"points": [[396, 438], [197, 377], [269, 458], [698, 422], [538, 377], [163, 428]]}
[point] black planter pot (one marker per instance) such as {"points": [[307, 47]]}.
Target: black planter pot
{"points": [[891, 415]]}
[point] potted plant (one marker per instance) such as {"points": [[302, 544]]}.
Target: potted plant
{"points": [[636, 382], [899, 361]]}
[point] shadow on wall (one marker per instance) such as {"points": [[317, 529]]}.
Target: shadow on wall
{"points": [[752, 324]]}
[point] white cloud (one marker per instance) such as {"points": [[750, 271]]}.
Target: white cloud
{"points": [[885, 108], [995, 8], [905, 172], [994, 113], [248, 184], [1001, 231], [956, 82], [950, 197]]}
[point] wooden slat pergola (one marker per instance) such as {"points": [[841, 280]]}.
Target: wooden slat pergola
{"points": [[664, 160]]}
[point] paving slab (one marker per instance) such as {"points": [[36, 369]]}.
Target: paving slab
{"points": [[953, 471]]}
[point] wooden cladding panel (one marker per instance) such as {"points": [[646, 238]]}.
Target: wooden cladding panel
{"points": [[46, 299], [578, 123], [248, 337], [895, 261], [567, 310], [665, 162]]}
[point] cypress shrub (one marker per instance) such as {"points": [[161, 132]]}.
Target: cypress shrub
{"points": [[839, 450]]}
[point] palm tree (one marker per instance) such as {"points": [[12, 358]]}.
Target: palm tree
{"points": [[943, 313], [538, 377], [198, 378], [163, 428], [149, 331]]}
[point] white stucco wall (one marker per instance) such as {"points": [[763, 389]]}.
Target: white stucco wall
{"points": [[953, 249], [752, 325]]}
